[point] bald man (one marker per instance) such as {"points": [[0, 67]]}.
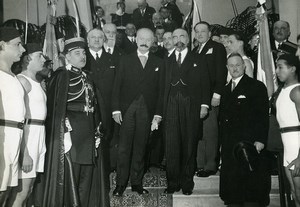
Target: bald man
{"points": [[142, 16], [186, 101], [136, 100]]}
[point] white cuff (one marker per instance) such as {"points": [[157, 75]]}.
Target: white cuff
{"points": [[157, 116], [204, 105], [217, 96], [116, 112]]}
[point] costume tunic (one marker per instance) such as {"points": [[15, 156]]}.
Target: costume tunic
{"points": [[287, 117], [11, 108]]}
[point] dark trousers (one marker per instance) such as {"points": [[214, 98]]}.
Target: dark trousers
{"points": [[134, 133], [208, 147], [78, 180], [182, 127]]}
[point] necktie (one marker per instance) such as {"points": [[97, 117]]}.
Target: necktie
{"points": [[199, 48], [97, 57], [142, 12], [109, 50], [143, 60], [233, 85], [179, 59]]}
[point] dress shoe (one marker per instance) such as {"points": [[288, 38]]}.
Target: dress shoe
{"points": [[139, 189], [187, 192], [119, 190], [171, 190], [204, 173]]}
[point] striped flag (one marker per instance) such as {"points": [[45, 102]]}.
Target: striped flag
{"points": [[265, 64], [50, 48], [192, 19]]}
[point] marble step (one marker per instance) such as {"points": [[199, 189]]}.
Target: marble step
{"points": [[212, 182], [206, 198]]}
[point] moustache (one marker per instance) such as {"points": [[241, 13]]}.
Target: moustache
{"points": [[179, 44], [144, 45]]}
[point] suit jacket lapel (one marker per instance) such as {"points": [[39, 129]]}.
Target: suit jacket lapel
{"points": [[185, 66], [205, 48]]}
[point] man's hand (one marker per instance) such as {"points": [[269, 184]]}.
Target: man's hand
{"points": [[118, 118], [97, 142], [203, 112], [27, 163], [259, 146], [296, 170], [215, 102], [155, 122]]}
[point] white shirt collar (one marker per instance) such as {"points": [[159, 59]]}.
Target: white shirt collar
{"points": [[111, 49], [131, 38], [237, 80], [94, 53], [141, 54], [202, 46], [183, 54], [277, 43]]}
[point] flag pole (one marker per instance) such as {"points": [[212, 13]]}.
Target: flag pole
{"points": [[26, 22], [76, 17]]}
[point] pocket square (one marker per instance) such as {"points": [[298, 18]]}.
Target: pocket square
{"points": [[241, 96], [112, 66], [156, 69], [195, 65], [210, 51]]}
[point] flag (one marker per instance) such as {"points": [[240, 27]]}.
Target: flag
{"points": [[265, 64], [50, 48], [191, 20]]}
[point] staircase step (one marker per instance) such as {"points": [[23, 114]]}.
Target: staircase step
{"points": [[213, 182], [209, 198]]}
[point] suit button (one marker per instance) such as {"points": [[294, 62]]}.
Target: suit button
{"points": [[226, 120]]}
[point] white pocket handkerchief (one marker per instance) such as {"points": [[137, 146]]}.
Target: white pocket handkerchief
{"points": [[112, 67], [156, 69], [241, 96], [195, 65], [210, 51]]}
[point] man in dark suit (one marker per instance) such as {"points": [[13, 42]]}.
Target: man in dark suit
{"points": [[128, 44], [168, 44], [169, 24], [243, 118], [176, 14], [142, 16], [215, 55], [110, 31], [137, 97], [186, 101], [102, 70], [281, 33]]}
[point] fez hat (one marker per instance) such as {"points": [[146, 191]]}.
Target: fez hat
{"points": [[33, 47], [8, 33], [74, 43], [246, 155]]}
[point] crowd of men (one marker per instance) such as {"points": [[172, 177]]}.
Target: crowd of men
{"points": [[98, 112]]}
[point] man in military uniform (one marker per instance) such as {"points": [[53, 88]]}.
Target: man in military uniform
{"points": [[71, 124]]}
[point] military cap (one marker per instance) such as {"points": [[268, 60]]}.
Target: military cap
{"points": [[74, 43], [8, 33]]}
